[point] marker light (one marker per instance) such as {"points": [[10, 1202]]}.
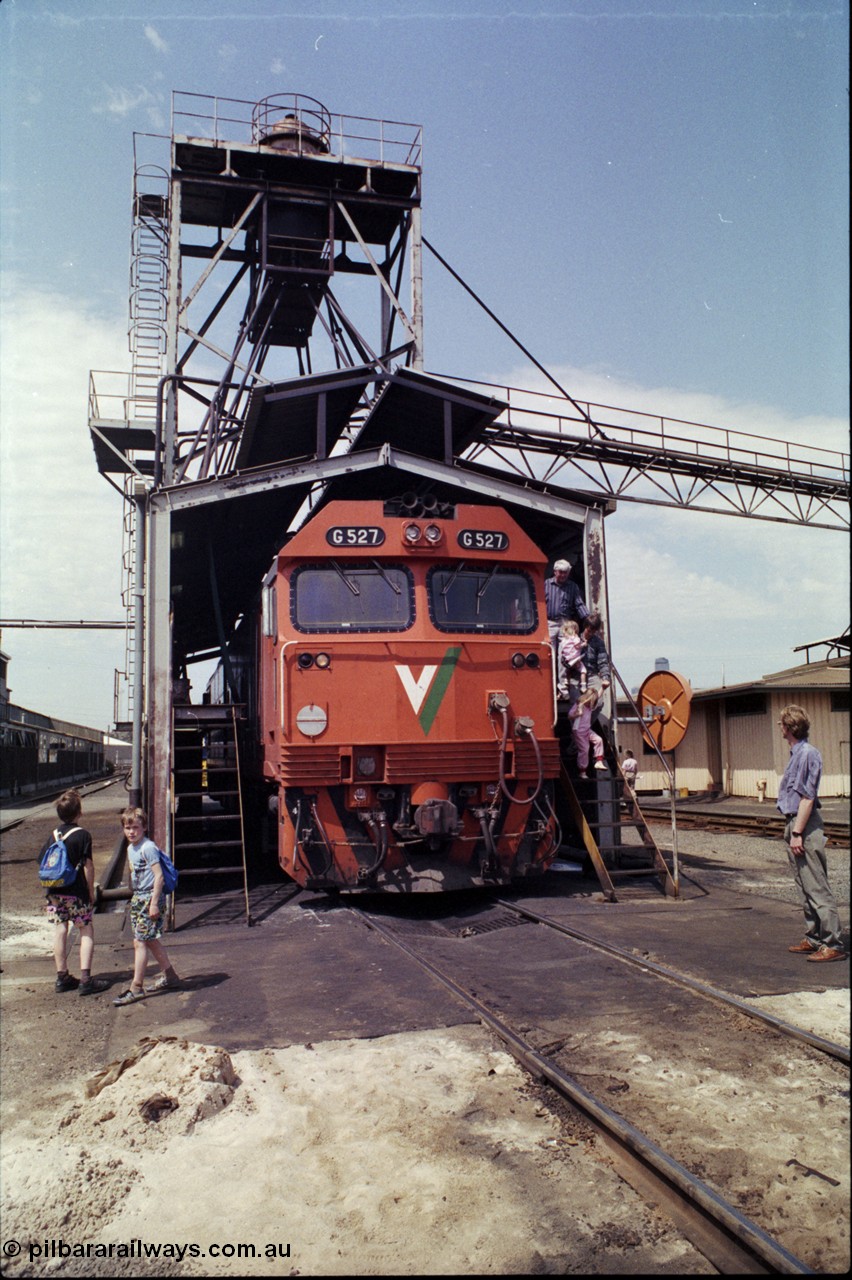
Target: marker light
{"points": [[305, 660], [323, 660], [533, 660], [518, 661]]}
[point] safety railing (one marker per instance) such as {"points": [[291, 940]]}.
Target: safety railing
{"points": [[539, 411], [235, 120], [669, 774]]}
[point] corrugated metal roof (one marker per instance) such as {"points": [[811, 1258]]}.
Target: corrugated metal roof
{"points": [[831, 674]]}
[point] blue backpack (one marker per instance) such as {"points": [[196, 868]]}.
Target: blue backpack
{"points": [[55, 868], [169, 870]]}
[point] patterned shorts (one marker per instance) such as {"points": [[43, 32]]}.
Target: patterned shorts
{"points": [[66, 909], [144, 928]]}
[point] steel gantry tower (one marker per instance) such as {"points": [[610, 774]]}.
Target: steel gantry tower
{"points": [[276, 337]]}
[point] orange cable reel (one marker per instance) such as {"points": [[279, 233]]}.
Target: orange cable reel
{"points": [[664, 701]]}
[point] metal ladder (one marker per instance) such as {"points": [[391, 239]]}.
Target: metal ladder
{"points": [[595, 804], [208, 829]]}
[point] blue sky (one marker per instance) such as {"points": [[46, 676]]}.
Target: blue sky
{"points": [[652, 198]]}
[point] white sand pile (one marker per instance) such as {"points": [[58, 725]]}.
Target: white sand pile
{"points": [[424, 1153]]}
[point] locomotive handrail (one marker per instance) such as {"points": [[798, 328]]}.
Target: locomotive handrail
{"points": [[659, 754]]}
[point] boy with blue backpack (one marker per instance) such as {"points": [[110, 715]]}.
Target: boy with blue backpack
{"points": [[67, 873], [146, 918]]}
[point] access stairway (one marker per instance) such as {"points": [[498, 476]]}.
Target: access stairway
{"points": [[208, 833], [603, 809]]}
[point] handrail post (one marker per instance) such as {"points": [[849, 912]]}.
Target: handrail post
{"points": [[675, 868]]}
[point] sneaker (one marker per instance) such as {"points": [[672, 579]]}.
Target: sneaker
{"points": [[165, 983], [599, 764], [130, 997], [827, 953], [66, 983], [803, 948]]}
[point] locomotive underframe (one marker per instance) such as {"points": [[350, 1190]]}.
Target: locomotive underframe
{"points": [[472, 836]]}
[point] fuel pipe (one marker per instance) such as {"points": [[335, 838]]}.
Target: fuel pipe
{"points": [[523, 729]]}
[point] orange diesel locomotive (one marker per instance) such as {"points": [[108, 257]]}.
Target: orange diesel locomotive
{"points": [[406, 699]]}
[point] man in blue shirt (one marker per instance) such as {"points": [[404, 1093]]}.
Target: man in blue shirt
{"points": [[805, 838], [562, 600]]}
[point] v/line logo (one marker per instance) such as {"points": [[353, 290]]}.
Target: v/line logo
{"points": [[426, 692]]}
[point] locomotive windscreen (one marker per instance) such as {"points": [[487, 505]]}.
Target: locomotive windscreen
{"points": [[482, 599], [352, 598]]}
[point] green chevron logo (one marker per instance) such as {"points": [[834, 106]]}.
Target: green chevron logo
{"points": [[427, 692]]}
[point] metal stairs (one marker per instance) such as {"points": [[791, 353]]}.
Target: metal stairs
{"points": [[604, 811], [208, 831]]}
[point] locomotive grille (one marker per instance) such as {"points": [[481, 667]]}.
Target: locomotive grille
{"points": [[315, 766], [454, 760], [310, 766]]}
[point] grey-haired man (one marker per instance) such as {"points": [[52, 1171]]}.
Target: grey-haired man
{"points": [[563, 600]]}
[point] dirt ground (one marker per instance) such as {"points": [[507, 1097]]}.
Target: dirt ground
{"points": [[422, 1153]]}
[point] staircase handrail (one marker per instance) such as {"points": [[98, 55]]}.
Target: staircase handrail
{"points": [[661, 758]]}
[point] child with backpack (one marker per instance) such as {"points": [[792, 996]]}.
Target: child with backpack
{"points": [[145, 908], [72, 902]]}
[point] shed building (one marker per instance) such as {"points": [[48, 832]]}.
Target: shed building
{"points": [[733, 745]]}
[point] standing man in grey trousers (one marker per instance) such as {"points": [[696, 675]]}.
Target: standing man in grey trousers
{"points": [[798, 800]]}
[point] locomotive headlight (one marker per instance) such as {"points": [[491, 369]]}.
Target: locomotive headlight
{"points": [[365, 766], [412, 533], [323, 660], [533, 660], [518, 661], [434, 533]]}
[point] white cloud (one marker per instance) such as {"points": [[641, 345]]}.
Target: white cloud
{"points": [[60, 520], [120, 100], [156, 39]]}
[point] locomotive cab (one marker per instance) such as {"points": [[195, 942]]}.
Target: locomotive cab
{"points": [[407, 702]]}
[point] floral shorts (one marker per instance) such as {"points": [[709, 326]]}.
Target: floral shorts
{"points": [[145, 929], [66, 909]]}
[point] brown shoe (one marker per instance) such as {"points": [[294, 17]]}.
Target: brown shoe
{"points": [[827, 953], [803, 947]]}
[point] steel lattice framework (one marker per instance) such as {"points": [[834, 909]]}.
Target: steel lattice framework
{"points": [[257, 230]]}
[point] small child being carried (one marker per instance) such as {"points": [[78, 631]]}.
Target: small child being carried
{"points": [[571, 665]]}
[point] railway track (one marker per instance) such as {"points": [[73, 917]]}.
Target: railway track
{"points": [[729, 1239], [769, 827], [829, 1047]]}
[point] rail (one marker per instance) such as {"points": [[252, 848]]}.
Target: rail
{"points": [[820, 1043], [734, 1243]]}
